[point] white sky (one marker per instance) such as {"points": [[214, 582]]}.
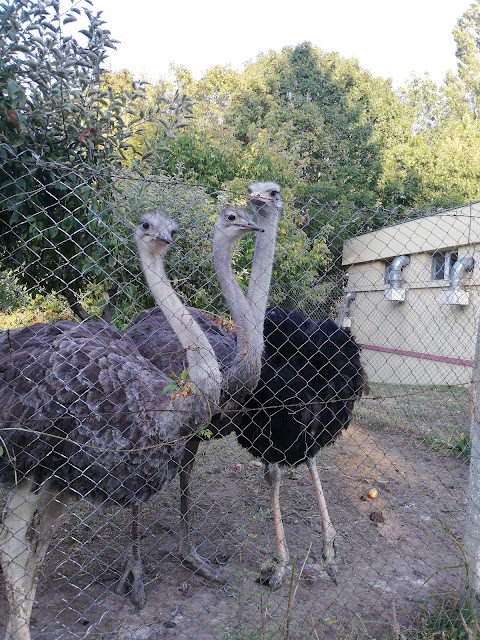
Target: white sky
{"points": [[390, 39]]}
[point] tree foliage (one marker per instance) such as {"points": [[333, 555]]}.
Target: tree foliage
{"points": [[65, 128], [324, 126], [344, 143]]}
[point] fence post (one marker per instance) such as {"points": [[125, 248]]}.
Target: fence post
{"points": [[472, 527]]}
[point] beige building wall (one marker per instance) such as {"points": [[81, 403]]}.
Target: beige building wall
{"points": [[422, 324]]}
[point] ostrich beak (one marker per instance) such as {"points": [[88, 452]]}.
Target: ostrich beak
{"points": [[258, 199], [251, 226], [163, 237]]}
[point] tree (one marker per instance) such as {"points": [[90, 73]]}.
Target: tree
{"points": [[467, 40], [65, 129], [321, 109], [440, 159], [303, 115]]}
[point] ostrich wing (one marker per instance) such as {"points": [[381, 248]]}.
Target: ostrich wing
{"points": [[311, 377], [78, 402], [157, 342]]}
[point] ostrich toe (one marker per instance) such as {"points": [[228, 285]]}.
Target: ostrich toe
{"points": [[132, 582], [200, 566], [329, 556], [272, 574]]}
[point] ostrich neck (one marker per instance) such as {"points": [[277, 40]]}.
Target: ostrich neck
{"points": [[202, 363], [246, 369], [262, 265], [236, 301]]}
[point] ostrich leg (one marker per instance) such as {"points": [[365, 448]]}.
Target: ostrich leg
{"points": [[328, 532], [273, 571], [187, 550], [133, 573], [28, 526]]}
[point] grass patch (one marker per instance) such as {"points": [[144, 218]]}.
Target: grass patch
{"points": [[438, 415], [448, 621], [40, 308]]}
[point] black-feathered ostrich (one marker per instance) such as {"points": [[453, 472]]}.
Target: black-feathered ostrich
{"points": [[83, 414], [238, 350], [311, 376]]}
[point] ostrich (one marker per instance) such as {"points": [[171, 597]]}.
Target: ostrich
{"points": [[242, 369], [311, 376], [83, 414]]}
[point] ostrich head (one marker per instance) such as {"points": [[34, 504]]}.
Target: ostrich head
{"points": [[265, 196], [233, 223], [154, 233]]}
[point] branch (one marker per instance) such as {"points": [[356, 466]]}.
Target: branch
{"points": [[107, 312], [76, 307]]}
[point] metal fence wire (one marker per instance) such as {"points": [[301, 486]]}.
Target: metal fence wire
{"points": [[164, 432]]}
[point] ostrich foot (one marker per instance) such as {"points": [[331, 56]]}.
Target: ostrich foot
{"points": [[332, 569], [329, 556], [311, 573], [272, 574], [200, 566], [132, 582]]}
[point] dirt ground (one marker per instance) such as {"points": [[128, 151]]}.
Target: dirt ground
{"points": [[406, 560]]}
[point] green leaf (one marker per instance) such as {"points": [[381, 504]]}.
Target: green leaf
{"points": [[205, 432], [12, 88], [171, 386], [21, 48]]}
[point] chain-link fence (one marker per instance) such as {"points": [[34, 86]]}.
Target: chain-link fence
{"points": [[103, 402]]}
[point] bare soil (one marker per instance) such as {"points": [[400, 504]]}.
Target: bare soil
{"points": [[406, 559]]}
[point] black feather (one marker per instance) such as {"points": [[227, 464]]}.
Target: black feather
{"points": [[311, 376]]}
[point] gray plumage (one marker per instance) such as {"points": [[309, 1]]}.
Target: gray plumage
{"points": [[80, 405], [155, 340], [84, 414]]}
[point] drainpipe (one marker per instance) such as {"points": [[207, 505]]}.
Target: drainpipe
{"points": [[459, 271], [343, 318], [456, 294], [395, 279]]}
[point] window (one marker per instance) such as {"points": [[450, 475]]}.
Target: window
{"points": [[442, 263]]}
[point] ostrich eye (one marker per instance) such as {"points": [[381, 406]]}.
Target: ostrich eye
{"points": [[146, 226], [274, 193], [232, 217], [173, 232]]}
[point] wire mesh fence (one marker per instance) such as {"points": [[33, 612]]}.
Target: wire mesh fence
{"points": [[107, 401]]}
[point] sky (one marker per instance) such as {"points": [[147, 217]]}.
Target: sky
{"points": [[389, 38]]}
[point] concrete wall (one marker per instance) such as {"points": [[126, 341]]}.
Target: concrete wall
{"points": [[448, 229], [441, 336]]}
